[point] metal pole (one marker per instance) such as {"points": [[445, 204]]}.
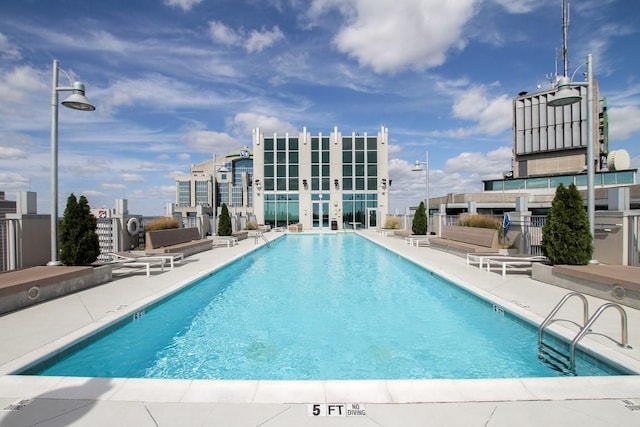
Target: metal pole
{"points": [[54, 166], [427, 202], [213, 202], [590, 162]]}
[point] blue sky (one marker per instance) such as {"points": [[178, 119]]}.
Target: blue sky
{"points": [[176, 80]]}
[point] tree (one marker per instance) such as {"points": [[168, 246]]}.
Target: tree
{"points": [[419, 225], [566, 236], [224, 222], [78, 238]]}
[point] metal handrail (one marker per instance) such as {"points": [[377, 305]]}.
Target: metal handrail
{"points": [[586, 329], [549, 318]]}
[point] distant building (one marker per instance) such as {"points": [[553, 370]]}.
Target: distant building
{"points": [[223, 179], [6, 206], [321, 181], [549, 148]]}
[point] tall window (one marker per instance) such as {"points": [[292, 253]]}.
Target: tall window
{"points": [[320, 164], [359, 177], [281, 177], [202, 193], [184, 193]]}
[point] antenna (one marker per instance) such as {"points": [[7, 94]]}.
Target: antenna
{"points": [[565, 36]]}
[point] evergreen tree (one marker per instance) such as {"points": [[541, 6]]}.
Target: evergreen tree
{"points": [[566, 236], [78, 238], [420, 221], [224, 222]]}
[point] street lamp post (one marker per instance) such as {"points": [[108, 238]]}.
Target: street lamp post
{"points": [[566, 95], [214, 173], [418, 168], [76, 101]]}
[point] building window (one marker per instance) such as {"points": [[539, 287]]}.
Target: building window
{"points": [[184, 193], [281, 210], [202, 193]]}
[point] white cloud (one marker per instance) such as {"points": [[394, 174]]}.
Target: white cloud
{"points": [[389, 36], [258, 41], [220, 33], [244, 123], [255, 41], [185, 5], [210, 141], [132, 177], [489, 165], [492, 114], [112, 186], [7, 49], [12, 153], [519, 6], [624, 122]]}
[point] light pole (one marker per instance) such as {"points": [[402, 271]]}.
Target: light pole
{"points": [[566, 95], [76, 101], [418, 168], [214, 173]]}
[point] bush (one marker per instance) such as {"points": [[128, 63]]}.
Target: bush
{"points": [[252, 225], [162, 224], [481, 221], [79, 243], [566, 236], [419, 225], [224, 222], [392, 223]]}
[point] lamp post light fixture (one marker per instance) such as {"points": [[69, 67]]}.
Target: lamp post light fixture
{"points": [[418, 168], [566, 95], [76, 101], [214, 203]]}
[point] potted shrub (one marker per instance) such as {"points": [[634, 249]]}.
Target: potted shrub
{"points": [[419, 225], [566, 236], [224, 222], [79, 243]]}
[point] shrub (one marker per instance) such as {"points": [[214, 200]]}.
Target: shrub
{"points": [[392, 223], [419, 225], [481, 221], [566, 236], [162, 224], [79, 243], [224, 222], [252, 225]]}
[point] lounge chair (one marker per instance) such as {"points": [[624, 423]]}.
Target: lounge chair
{"points": [[417, 240], [172, 258], [227, 241], [482, 258], [141, 262], [513, 263]]}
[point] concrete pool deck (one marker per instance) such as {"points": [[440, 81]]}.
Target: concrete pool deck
{"points": [[30, 334]]}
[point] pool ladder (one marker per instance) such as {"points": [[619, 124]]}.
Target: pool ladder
{"points": [[556, 357]]}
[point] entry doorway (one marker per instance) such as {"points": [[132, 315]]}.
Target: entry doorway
{"points": [[320, 214], [372, 218]]}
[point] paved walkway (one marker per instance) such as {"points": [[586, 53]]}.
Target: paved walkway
{"points": [[31, 334]]}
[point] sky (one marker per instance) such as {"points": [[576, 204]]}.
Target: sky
{"points": [[175, 81]]}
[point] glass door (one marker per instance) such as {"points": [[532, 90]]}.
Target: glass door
{"points": [[320, 211], [372, 218]]}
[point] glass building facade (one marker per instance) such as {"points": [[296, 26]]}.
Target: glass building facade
{"points": [[321, 181]]}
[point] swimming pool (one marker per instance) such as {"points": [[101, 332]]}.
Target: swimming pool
{"points": [[315, 307]]}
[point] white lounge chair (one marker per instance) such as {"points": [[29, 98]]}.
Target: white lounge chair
{"points": [[414, 240], [171, 257], [227, 241], [128, 262], [482, 258], [513, 263]]}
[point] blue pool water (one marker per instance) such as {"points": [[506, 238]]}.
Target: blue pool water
{"points": [[316, 307]]}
